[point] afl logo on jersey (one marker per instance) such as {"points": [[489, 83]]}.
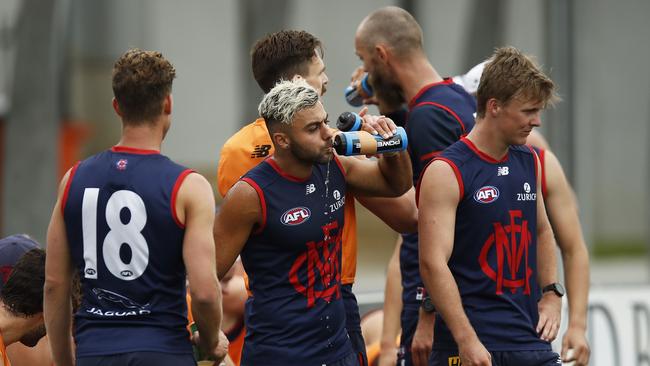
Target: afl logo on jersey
{"points": [[487, 194], [295, 216]]}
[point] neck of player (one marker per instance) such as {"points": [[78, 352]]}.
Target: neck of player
{"points": [[146, 136], [415, 74], [488, 140], [290, 165]]}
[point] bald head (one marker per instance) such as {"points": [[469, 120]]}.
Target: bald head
{"points": [[393, 27]]}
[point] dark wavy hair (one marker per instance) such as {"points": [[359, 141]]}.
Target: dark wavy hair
{"points": [[281, 55], [23, 293]]}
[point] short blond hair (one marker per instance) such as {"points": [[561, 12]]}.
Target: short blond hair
{"points": [[285, 100], [510, 74]]}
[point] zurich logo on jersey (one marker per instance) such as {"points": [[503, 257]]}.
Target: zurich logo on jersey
{"points": [[486, 194], [295, 216]]}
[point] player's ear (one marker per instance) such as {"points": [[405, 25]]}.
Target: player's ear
{"points": [[493, 107], [280, 140], [168, 103], [116, 107]]}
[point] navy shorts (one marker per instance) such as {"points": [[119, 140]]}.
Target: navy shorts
{"points": [[350, 360], [139, 359], [409, 321], [500, 358], [353, 324]]}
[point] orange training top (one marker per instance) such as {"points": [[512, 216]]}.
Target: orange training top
{"points": [[236, 337], [3, 351], [247, 148]]}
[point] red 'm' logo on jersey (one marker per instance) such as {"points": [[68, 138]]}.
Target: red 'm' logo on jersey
{"points": [[295, 216], [487, 194], [321, 261], [511, 254]]}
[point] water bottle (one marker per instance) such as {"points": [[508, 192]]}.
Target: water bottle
{"points": [[364, 143], [355, 94], [349, 121]]}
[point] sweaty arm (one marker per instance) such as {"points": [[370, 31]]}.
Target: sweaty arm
{"points": [[399, 213], [57, 304], [238, 215], [563, 215], [438, 201], [550, 304], [195, 207]]}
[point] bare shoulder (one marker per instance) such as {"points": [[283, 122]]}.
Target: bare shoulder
{"points": [[439, 171], [244, 194], [440, 180], [195, 185]]}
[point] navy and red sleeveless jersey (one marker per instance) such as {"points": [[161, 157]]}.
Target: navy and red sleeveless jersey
{"points": [[126, 244], [439, 115], [295, 315], [494, 260], [541, 153]]}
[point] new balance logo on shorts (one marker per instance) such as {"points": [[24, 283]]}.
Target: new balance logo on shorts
{"points": [[261, 151]]}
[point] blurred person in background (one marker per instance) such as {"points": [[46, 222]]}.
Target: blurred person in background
{"points": [[21, 313], [389, 43], [11, 249], [134, 225]]}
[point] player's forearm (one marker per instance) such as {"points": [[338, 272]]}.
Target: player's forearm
{"points": [[57, 311], [396, 170], [546, 258], [444, 293], [576, 272], [392, 306], [399, 213], [207, 312], [426, 319]]}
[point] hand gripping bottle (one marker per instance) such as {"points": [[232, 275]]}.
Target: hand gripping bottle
{"points": [[355, 94], [355, 142]]}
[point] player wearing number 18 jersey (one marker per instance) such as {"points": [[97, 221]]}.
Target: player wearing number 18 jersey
{"points": [[130, 222]]}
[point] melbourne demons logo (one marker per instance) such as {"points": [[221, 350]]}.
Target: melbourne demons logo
{"points": [[295, 216], [121, 164], [512, 245], [486, 194], [322, 266]]}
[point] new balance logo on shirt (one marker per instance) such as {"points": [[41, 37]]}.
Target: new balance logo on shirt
{"points": [[261, 151]]}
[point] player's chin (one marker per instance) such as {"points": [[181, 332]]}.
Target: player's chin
{"points": [[520, 140], [326, 156]]}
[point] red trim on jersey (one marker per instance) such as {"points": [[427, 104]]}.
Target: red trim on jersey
{"points": [[541, 157], [542, 163], [285, 175], [177, 186], [430, 155], [133, 150], [448, 110], [447, 81], [338, 162], [260, 194], [66, 190], [459, 178], [481, 154]]}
